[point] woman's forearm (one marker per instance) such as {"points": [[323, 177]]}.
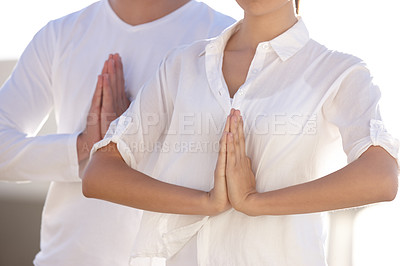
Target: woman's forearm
{"points": [[370, 179], [109, 178]]}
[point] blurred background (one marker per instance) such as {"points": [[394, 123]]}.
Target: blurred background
{"points": [[366, 236]]}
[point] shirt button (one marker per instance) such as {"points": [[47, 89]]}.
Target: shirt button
{"points": [[254, 71], [241, 92], [221, 92], [265, 46]]}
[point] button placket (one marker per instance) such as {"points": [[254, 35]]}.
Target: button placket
{"points": [[239, 96], [256, 66], [214, 81], [258, 60]]}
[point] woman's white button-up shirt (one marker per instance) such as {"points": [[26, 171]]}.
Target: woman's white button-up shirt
{"points": [[300, 102]]}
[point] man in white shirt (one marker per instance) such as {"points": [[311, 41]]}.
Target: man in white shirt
{"points": [[57, 71]]}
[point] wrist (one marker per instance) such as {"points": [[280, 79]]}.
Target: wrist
{"points": [[212, 206], [83, 147], [248, 205], [252, 203]]}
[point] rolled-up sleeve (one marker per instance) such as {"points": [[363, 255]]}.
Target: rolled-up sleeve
{"points": [[354, 109], [140, 130]]}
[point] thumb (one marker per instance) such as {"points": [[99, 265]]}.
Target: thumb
{"points": [[221, 162]]}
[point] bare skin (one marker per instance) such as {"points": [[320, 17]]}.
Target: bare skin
{"points": [[136, 12], [109, 101], [261, 23]]}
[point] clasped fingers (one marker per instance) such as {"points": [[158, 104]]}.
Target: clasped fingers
{"points": [[240, 177], [114, 98]]}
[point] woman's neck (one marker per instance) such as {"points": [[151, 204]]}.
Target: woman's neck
{"points": [[260, 28], [136, 12]]}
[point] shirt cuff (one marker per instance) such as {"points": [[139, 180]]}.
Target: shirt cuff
{"points": [[73, 158], [122, 147], [378, 137]]}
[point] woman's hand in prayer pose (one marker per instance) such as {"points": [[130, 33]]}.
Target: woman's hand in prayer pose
{"points": [[240, 177], [219, 194]]}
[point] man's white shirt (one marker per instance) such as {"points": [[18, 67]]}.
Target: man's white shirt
{"points": [[58, 71]]}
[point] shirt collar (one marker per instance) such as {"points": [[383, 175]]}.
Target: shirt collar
{"points": [[285, 45]]}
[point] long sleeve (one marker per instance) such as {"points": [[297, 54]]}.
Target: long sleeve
{"points": [[26, 99]]}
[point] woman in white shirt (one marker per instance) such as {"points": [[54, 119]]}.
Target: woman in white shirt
{"points": [[279, 103]]}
